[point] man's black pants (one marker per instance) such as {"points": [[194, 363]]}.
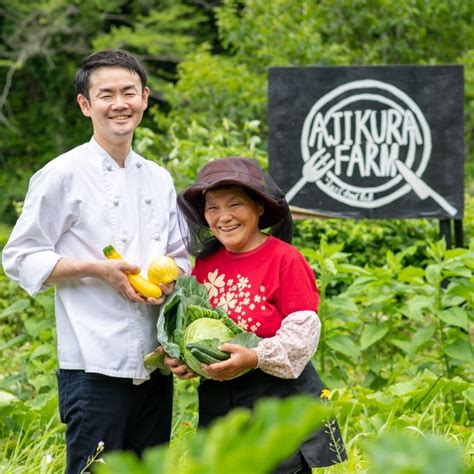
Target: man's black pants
{"points": [[123, 416]]}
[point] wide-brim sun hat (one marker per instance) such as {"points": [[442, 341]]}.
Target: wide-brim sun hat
{"points": [[238, 171]]}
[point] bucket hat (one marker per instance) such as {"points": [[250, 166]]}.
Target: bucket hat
{"points": [[239, 171]]}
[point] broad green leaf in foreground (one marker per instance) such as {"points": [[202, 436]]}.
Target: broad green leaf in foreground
{"points": [[404, 453], [243, 441]]}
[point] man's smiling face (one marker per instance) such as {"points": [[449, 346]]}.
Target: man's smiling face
{"points": [[116, 103]]}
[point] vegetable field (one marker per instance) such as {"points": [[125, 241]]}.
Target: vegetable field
{"points": [[397, 305], [395, 355]]}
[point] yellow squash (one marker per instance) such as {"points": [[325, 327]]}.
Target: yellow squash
{"points": [[163, 269], [140, 284]]}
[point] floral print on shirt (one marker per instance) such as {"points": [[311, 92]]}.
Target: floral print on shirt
{"points": [[236, 297]]}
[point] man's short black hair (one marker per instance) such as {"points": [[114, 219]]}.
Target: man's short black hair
{"points": [[107, 58]]}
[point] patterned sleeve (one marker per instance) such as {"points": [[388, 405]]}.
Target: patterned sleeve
{"points": [[286, 354]]}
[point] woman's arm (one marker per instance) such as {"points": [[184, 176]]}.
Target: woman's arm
{"points": [[286, 354]]}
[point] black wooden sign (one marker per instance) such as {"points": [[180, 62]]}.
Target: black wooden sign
{"points": [[369, 141]]}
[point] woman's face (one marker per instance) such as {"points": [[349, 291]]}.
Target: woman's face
{"points": [[233, 218]]}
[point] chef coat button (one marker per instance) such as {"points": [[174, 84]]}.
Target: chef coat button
{"points": [[108, 167], [116, 201], [156, 237], [148, 200], [123, 238], [139, 165]]}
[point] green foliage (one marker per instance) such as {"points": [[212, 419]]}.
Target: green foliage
{"points": [[349, 32], [183, 153], [214, 87], [379, 311], [164, 33], [393, 349], [402, 453], [368, 240], [243, 438]]}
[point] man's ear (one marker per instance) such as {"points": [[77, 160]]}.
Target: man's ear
{"points": [[145, 95], [83, 102]]}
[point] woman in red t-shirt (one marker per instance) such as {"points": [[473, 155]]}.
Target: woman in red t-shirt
{"points": [[265, 286]]}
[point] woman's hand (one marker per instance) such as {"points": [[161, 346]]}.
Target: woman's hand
{"points": [[166, 289], [241, 359], [178, 368]]}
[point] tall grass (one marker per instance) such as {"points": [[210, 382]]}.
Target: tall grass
{"points": [[36, 449]]}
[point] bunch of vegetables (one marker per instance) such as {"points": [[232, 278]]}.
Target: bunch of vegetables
{"points": [[191, 330], [162, 269]]}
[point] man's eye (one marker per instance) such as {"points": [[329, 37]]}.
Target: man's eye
{"points": [[130, 94], [105, 97]]}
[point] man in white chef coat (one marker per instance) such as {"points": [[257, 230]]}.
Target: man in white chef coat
{"points": [[97, 194]]}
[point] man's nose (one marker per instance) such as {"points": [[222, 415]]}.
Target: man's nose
{"points": [[119, 102]]}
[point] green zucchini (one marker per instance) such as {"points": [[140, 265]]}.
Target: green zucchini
{"points": [[209, 346], [202, 357]]}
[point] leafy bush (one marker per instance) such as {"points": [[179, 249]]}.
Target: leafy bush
{"points": [[243, 438]]}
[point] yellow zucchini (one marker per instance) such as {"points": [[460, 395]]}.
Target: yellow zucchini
{"points": [[140, 284]]}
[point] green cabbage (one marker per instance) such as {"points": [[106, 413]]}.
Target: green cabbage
{"points": [[206, 328], [187, 316]]}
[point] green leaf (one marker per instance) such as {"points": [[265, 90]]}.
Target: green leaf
{"points": [[41, 350], [14, 341], [16, 307], [352, 269], [121, 463], [242, 440], [34, 327], [449, 299], [460, 350], [468, 394], [410, 274], [6, 399], [402, 344], [371, 334], [463, 288], [433, 275], [402, 452], [183, 310], [343, 344], [344, 303], [413, 308], [404, 388], [454, 316], [421, 337]]}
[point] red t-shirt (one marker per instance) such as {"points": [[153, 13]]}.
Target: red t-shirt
{"points": [[260, 287]]}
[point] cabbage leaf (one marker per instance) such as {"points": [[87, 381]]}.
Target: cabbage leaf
{"points": [[188, 303]]}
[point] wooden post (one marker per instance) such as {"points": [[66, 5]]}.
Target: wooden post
{"points": [[458, 233], [445, 231]]}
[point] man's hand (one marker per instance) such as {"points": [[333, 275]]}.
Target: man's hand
{"points": [[241, 359], [114, 273], [178, 368]]}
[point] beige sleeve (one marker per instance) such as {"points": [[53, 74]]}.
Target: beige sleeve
{"points": [[286, 354]]}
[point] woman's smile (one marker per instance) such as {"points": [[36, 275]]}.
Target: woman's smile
{"points": [[232, 216]]}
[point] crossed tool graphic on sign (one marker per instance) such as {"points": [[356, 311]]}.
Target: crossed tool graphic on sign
{"points": [[321, 162]]}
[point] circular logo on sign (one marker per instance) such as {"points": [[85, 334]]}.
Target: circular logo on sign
{"points": [[361, 129]]}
